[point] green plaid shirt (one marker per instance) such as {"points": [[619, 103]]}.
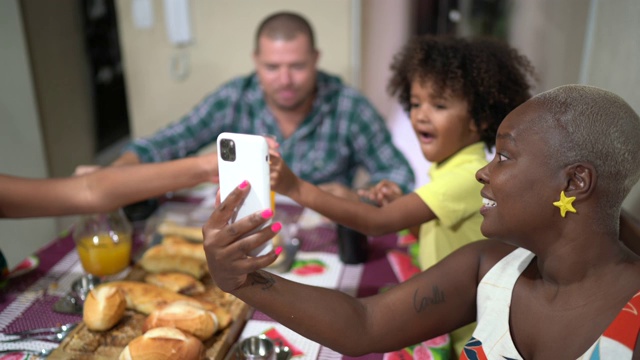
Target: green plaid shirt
{"points": [[341, 133]]}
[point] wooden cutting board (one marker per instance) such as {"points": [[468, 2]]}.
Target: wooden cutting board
{"points": [[83, 343]]}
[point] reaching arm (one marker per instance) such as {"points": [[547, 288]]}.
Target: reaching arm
{"points": [[339, 190], [127, 158], [408, 210], [430, 304], [102, 190]]}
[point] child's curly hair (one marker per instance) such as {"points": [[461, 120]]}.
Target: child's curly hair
{"points": [[491, 76]]}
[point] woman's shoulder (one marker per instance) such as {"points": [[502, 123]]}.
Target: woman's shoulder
{"points": [[489, 253]]}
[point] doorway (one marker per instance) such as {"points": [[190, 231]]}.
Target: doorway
{"points": [[102, 45]]}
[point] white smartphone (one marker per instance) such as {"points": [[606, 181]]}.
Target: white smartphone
{"points": [[246, 157]]}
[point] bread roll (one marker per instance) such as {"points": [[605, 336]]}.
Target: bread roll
{"points": [[171, 228], [181, 246], [176, 282], [185, 316], [145, 298], [103, 308], [163, 343], [160, 259]]}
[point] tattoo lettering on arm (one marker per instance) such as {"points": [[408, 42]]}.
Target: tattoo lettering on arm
{"points": [[437, 297], [263, 279]]}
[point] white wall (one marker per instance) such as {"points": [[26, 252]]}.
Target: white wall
{"points": [[379, 45], [21, 147], [613, 59], [551, 35]]}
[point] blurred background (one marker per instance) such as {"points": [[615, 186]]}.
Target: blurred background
{"points": [[82, 77]]}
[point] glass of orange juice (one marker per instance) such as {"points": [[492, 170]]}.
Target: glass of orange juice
{"points": [[103, 242]]}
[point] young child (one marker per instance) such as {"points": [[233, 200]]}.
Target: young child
{"points": [[456, 92], [553, 281]]}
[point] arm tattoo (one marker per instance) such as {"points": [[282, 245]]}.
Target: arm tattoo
{"points": [[437, 297], [263, 279]]}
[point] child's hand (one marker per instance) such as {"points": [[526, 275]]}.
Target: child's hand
{"points": [[382, 193], [210, 164], [283, 180], [274, 146]]}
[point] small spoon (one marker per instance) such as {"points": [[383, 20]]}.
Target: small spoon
{"points": [[55, 329]]}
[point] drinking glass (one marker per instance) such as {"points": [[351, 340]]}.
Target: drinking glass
{"points": [[103, 242]]}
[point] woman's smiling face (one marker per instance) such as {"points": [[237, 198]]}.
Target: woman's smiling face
{"points": [[441, 122], [520, 184]]}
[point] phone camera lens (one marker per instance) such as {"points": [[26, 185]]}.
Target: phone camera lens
{"points": [[227, 150]]}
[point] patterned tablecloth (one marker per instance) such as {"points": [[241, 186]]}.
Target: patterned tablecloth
{"points": [[27, 300]]}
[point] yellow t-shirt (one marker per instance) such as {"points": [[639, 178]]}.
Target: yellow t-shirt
{"points": [[453, 194]]}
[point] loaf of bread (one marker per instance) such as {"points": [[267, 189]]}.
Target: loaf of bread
{"points": [[103, 308], [163, 343], [176, 282], [146, 298], [172, 228], [187, 317], [159, 259], [180, 246]]}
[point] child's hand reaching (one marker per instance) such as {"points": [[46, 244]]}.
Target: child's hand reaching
{"points": [[382, 193], [283, 180], [274, 146]]}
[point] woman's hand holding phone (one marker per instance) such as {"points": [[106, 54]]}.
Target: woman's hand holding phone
{"points": [[227, 244]]}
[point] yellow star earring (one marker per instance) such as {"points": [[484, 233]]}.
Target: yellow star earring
{"points": [[565, 204]]}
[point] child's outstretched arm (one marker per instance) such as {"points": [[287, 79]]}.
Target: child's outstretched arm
{"points": [[432, 303], [407, 211]]}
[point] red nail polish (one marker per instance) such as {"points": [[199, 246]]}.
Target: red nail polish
{"points": [[276, 227], [243, 184], [266, 214], [278, 250]]}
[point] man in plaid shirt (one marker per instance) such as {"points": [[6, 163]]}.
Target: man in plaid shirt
{"points": [[325, 129]]}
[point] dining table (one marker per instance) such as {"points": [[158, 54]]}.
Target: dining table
{"points": [[26, 302]]}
